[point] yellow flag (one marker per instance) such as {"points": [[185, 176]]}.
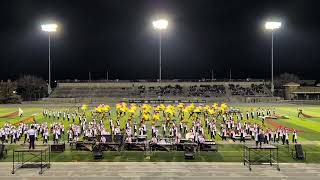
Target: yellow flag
{"points": [[84, 106]]}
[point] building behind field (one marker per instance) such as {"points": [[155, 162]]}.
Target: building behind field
{"points": [[296, 91]]}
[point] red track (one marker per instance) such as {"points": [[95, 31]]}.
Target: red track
{"points": [[10, 115], [25, 119], [278, 125]]}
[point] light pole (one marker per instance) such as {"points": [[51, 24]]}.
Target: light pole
{"points": [[272, 26], [49, 28], [160, 25]]}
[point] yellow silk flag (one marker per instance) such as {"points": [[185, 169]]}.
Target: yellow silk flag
{"points": [[214, 105], [156, 116], [99, 108], [180, 105], [106, 108], [146, 116], [84, 106]]}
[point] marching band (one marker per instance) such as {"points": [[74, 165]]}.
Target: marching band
{"points": [[233, 126]]}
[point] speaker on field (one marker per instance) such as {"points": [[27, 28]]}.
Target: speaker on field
{"points": [[3, 151], [189, 152], [58, 147], [299, 152], [97, 152], [108, 138], [118, 138]]}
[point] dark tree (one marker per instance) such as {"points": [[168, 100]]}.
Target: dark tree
{"points": [[8, 92], [284, 78], [32, 88]]}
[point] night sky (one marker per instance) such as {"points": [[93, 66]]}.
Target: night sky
{"points": [[96, 35]]}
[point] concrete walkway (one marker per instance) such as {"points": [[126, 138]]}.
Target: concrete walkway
{"points": [[162, 171]]}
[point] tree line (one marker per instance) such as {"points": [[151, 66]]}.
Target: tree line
{"points": [[26, 88]]}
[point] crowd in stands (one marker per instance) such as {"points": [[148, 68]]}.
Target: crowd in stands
{"points": [[207, 90], [166, 90], [248, 91], [202, 90]]}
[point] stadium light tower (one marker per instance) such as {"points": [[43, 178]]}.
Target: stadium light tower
{"points": [[160, 25], [272, 26], [49, 28]]}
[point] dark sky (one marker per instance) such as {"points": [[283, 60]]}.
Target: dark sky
{"points": [[96, 35]]}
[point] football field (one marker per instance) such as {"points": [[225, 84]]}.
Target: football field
{"points": [[308, 134]]}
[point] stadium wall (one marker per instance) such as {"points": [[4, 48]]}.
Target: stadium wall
{"points": [[150, 84]]}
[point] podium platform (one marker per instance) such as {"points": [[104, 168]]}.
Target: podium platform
{"points": [[36, 158], [264, 155]]}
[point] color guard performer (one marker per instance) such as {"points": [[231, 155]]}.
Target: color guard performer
{"points": [[294, 136]]}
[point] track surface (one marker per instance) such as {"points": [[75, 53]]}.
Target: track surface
{"points": [[162, 171]]}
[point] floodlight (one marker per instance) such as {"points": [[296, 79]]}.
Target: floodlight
{"points": [[160, 24], [272, 25], [49, 27]]}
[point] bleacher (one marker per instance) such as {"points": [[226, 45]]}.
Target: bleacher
{"points": [[75, 92], [169, 89], [253, 90]]}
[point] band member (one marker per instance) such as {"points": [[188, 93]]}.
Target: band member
{"points": [[232, 135], [224, 134], [164, 129], [284, 137], [266, 138], [275, 136], [287, 138], [242, 135], [26, 135], [201, 130], [45, 135], [70, 134], [260, 138], [31, 137], [103, 139], [256, 137], [68, 116], [135, 128], [118, 122], [206, 122], [55, 135], [73, 117], [153, 130], [181, 126], [294, 136], [210, 127], [141, 131], [144, 129], [171, 130], [212, 133], [299, 112]]}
